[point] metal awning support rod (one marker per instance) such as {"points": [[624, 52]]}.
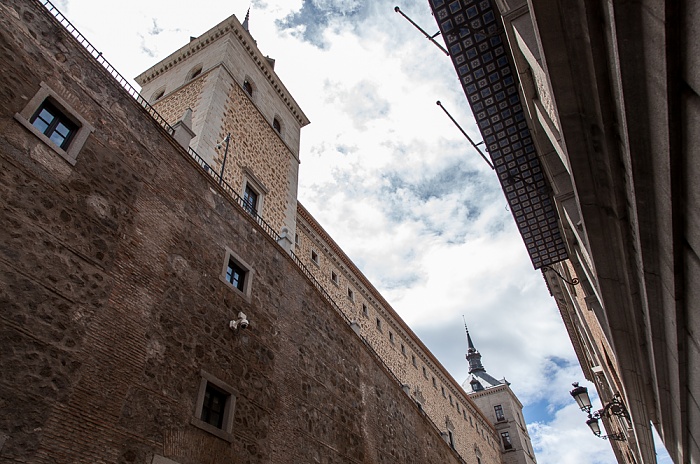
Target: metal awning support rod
{"points": [[427, 36], [475, 145]]}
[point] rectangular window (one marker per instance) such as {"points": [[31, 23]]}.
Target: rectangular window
{"points": [[235, 274], [53, 121], [214, 407], [379, 324], [314, 256], [443, 392], [391, 337], [434, 383], [250, 200], [54, 124], [507, 444], [351, 294], [457, 407], [451, 438], [499, 413], [296, 239], [451, 403], [365, 310], [425, 372], [413, 360], [334, 277]]}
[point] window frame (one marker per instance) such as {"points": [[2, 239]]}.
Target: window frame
{"points": [[498, 410], [506, 441], [250, 182], [229, 256], [158, 94], [334, 277], [52, 126], [225, 431], [277, 125], [248, 87], [195, 72], [78, 139]]}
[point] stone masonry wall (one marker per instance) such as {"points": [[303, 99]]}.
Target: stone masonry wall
{"points": [[173, 106], [255, 147], [112, 303], [442, 399]]}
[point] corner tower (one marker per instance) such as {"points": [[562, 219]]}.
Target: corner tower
{"points": [[498, 402], [233, 91]]}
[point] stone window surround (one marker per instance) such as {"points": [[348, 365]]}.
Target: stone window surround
{"points": [[249, 81], [249, 273], [225, 432], [252, 182], [84, 128], [278, 119], [334, 278], [365, 310], [195, 72], [158, 94], [351, 294], [314, 257]]}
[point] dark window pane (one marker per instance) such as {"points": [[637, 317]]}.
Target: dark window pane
{"points": [[54, 124], [214, 406], [235, 274], [250, 201], [57, 138]]}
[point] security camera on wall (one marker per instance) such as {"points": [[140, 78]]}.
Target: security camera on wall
{"points": [[241, 323]]}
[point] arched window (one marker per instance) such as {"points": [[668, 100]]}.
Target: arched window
{"points": [[196, 71], [158, 94], [248, 87], [276, 125]]}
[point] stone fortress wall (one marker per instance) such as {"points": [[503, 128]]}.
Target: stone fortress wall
{"points": [[115, 311], [427, 381]]}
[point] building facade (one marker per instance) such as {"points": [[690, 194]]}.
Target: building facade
{"points": [[590, 113], [496, 399], [157, 311]]}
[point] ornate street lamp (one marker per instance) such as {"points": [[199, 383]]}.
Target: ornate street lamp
{"points": [[614, 408]]}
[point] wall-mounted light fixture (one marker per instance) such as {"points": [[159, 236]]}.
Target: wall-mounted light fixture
{"points": [[614, 408]]}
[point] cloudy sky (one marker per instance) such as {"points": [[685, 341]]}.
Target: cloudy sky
{"points": [[393, 182]]}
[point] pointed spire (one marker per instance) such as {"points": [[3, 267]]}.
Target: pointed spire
{"points": [[473, 355], [469, 338], [245, 21]]}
